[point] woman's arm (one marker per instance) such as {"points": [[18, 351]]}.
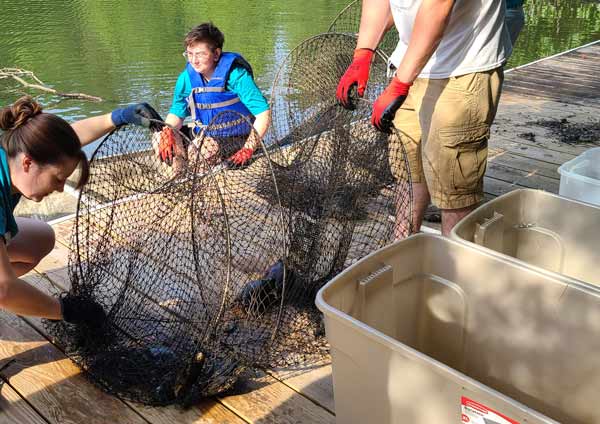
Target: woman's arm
{"points": [[22, 298], [91, 129]]}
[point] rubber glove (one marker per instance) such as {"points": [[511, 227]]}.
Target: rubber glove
{"points": [[241, 156], [137, 114], [386, 105], [166, 145], [356, 75], [82, 310]]}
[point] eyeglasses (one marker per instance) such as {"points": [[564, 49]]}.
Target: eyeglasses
{"points": [[194, 55]]}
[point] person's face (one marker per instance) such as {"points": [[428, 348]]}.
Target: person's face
{"points": [[203, 58], [36, 181]]}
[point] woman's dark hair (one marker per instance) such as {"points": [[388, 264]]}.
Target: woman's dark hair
{"points": [[44, 137], [207, 33]]}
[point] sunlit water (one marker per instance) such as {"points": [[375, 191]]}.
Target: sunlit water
{"points": [[128, 52]]}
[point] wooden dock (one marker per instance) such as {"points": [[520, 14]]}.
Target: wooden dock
{"points": [[40, 385], [523, 153]]}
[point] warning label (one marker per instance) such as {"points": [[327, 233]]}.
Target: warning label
{"points": [[476, 413]]}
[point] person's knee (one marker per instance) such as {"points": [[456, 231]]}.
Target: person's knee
{"points": [[46, 241]]}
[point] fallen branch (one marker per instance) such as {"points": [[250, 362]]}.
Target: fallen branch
{"points": [[19, 75]]}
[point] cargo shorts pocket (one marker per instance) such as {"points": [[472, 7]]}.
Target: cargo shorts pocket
{"points": [[464, 157]]}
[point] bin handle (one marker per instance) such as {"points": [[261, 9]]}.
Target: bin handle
{"points": [[381, 276], [490, 233]]}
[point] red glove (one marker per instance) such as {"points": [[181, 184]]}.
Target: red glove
{"points": [[357, 74], [386, 105], [242, 156], [166, 146]]}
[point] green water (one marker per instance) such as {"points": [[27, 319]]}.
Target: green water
{"points": [[127, 51], [130, 51]]}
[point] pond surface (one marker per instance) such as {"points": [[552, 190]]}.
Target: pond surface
{"points": [[130, 51]]}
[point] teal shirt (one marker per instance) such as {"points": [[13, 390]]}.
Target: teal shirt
{"points": [[8, 201], [240, 82]]}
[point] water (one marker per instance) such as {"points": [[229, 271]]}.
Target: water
{"points": [[130, 51]]}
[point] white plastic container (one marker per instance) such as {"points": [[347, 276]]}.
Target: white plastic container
{"points": [[540, 229], [431, 331], [580, 177]]}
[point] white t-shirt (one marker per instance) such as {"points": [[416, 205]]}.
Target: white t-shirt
{"points": [[475, 39]]}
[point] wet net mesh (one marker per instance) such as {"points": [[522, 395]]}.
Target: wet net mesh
{"points": [[338, 188], [348, 22], [167, 251], [206, 269]]}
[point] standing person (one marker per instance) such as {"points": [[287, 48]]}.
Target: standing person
{"points": [[214, 81], [443, 97], [515, 19], [38, 151]]}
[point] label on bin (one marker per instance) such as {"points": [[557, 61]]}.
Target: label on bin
{"points": [[476, 413]]}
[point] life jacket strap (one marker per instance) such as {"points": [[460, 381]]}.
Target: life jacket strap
{"points": [[198, 126], [217, 105], [208, 90]]}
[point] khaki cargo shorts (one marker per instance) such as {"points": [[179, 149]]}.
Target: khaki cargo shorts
{"points": [[444, 125]]}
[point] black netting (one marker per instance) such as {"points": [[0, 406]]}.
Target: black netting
{"points": [[348, 21], [168, 252], [205, 268], [336, 182]]}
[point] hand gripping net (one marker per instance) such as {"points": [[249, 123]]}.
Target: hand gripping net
{"points": [[168, 252], [348, 22], [342, 197]]}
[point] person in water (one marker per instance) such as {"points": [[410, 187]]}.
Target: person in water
{"points": [[213, 82], [38, 152]]}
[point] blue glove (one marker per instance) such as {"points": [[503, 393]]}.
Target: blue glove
{"points": [[138, 114], [81, 310]]}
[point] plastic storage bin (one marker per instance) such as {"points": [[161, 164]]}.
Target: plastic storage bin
{"points": [[580, 177], [540, 229], [429, 330]]}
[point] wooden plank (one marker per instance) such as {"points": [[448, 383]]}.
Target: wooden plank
{"points": [[266, 400], [522, 105], [313, 381], [565, 96], [50, 382], [593, 49], [530, 150], [15, 410], [495, 188], [64, 231], [523, 163], [542, 138], [575, 64], [545, 75], [55, 264], [521, 178], [206, 412]]}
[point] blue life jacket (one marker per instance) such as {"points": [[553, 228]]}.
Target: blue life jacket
{"points": [[208, 99]]}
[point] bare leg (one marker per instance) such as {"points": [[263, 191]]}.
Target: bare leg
{"points": [[450, 218], [421, 201], [33, 242]]}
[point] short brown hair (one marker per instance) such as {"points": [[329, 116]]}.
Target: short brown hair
{"points": [[207, 33], [46, 138]]}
